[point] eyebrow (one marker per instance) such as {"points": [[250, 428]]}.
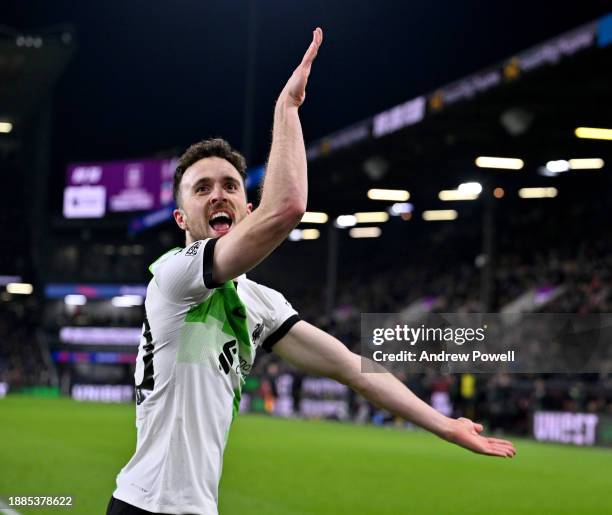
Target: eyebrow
{"points": [[205, 180]]}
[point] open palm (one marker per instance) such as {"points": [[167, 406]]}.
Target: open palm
{"points": [[295, 88], [467, 434]]}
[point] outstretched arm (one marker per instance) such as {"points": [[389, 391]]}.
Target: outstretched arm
{"points": [[284, 195], [317, 352]]}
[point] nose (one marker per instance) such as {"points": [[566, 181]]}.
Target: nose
{"points": [[218, 194]]}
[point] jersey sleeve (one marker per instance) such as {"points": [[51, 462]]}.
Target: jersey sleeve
{"points": [[279, 317], [186, 276]]}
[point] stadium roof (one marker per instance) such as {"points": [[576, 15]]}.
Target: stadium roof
{"points": [[526, 107]]}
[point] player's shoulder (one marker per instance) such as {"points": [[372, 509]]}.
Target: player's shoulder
{"points": [[246, 283], [180, 254], [249, 289], [153, 267]]}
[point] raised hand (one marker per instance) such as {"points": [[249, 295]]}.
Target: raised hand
{"points": [[466, 433], [295, 89]]}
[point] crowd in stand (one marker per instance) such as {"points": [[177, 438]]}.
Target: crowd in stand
{"points": [[22, 360], [504, 400]]}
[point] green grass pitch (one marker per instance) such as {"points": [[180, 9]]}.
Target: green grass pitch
{"points": [[293, 467]]}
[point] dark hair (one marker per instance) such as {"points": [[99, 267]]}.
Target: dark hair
{"points": [[214, 147]]}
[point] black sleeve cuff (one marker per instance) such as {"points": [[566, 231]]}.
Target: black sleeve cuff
{"points": [[279, 333], [209, 251]]}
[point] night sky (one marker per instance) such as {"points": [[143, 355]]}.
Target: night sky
{"points": [[152, 76]]}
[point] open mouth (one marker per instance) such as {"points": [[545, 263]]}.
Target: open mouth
{"points": [[221, 221]]}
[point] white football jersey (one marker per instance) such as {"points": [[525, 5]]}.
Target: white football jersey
{"points": [[198, 344]]}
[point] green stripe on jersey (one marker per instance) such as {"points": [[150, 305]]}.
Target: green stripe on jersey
{"points": [[227, 309], [226, 306]]}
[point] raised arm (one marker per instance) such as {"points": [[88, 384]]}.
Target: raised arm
{"points": [[284, 195], [317, 352]]}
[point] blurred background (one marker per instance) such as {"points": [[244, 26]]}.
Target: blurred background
{"points": [[459, 160]]}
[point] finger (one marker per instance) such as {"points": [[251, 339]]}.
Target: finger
{"points": [[506, 446], [499, 441], [311, 53], [499, 447], [317, 37], [507, 451], [473, 426], [498, 451], [492, 451]]}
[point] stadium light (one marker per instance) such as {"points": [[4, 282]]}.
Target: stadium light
{"points": [[593, 133], [75, 300], [400, 208], [346, 221], [127, 301], [538, 192], [562, 165], [586, 164], [505, 163], [6, 127], [310, 234], [474, 188], [448, 195], [304, 234], [558, 166], [437, 215], [365, 232], [392, 195], [372, 217], [19, 288], [313, 217], [295, 235]]}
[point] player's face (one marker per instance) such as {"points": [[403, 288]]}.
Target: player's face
{"points": [[213, 199]]}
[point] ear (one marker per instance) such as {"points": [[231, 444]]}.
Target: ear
{"points": [[180, 218], [249, 207]]}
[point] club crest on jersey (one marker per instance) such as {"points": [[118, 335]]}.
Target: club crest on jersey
{"points": [[257, 332], [193, 250], [226, 358]]}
